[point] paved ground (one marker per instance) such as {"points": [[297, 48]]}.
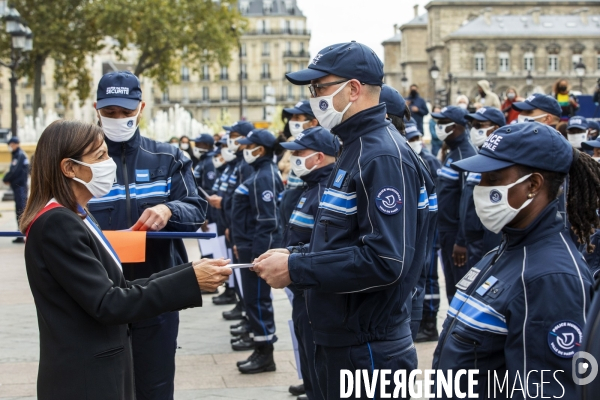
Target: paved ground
{"points": [[205, 362]]}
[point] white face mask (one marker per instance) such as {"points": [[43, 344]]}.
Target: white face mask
{"points": [[218, 162], [463, 106], [103, 177], [233, 145], [596, 158], [198, 152], [416, 146], [522, 118], [323, 109], [249, 155], [175, 144], [299, 165], [296, 127], [511, 96], [576, 139], [119, 129], [227, 154], [491, 205], [184, 146], [478, 136], [440, 131]]}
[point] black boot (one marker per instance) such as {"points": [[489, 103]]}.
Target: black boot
{"points": [[239, 331], [263, 362], [252, 357], [243, 322], [227, 297], [236, 338], [245, 343], [297, 390], [428, 330], [19, 240], [235, 313]]}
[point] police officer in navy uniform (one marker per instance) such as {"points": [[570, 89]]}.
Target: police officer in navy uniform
{"points": [[472, 234], [313, 158], [205, 170], [417, 105], [369, 242], [155, 190], [521, 311], [16, 177], [256, 229], [451, 126], [577, 131]]}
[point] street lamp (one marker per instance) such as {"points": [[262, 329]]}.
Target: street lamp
{"points": [[580, 71], [434, 73], [529, 78], [404, 82], [449, 93]]}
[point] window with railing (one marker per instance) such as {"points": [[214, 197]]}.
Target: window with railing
{"points": [[205, 72], [266, 49], [552, 63], [224, 93], [479, 62], [224, 73], [205, 93], [185, 74], [266, 74], [503, 62], [528, 61]]}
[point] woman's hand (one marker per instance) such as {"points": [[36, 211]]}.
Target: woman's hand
{"points": [[210, 273], [270, 253]]}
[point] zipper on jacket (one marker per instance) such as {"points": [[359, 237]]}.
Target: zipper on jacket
{"points": [[471, 342], [328, 223], [126, 181]]}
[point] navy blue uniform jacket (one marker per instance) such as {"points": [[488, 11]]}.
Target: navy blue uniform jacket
{"points": [[521, 308], [150, 173], [19, 169], [370, 236]]}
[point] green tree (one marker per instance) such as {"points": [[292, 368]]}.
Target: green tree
{"points": [[168, 33], [67, 31]]}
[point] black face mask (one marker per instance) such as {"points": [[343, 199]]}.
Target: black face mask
{"points": [[414, 93], [562, 88]]}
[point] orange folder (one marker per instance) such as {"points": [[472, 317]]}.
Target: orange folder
{"points": [[129, 245]]}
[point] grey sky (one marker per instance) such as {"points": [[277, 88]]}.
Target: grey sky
{"points": [[367, 21]]}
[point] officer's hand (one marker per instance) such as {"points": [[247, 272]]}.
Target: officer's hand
{"points": [[153, 219], [211, 273], [459, 255], [215, 201], [414, 109], [274, 270], [269, 253]]}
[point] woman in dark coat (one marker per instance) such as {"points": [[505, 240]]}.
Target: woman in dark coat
{"points": [[83, 301]]}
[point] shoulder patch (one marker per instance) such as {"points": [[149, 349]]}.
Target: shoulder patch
{"points": [[301, 202], [339, 179], [389, 200], [267, 196], [564, 338], [210, 175]]}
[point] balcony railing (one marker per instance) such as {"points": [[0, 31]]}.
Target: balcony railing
{"points": [[295, 32], [224, 77], [265, 75], [293, 54]]}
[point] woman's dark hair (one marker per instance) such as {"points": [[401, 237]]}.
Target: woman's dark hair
{"points": [[557, 84], [60, 140], [398, 120]]}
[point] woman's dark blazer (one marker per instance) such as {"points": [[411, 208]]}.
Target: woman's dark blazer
{"points": [[84, 305]]}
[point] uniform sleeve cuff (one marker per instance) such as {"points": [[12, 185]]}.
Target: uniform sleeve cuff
{"points": [[295, 269]]}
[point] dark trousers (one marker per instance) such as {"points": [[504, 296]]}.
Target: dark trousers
{"points": [[452, 273], [20, 195], [393, 355], [257, 302], [431, 305], [306, 347], [154, 342]]}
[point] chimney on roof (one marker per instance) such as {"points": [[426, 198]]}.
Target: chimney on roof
{"points": [[395, 29], [416, 8], [583, 13], [487, 15], [535, 15]]}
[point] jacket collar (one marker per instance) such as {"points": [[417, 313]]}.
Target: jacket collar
{"points": [[547, 223], [454, 143], [318, 175], [361, 123], [260, 162], [130, 146]]}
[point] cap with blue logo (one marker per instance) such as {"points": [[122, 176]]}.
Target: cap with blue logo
{"points": [[488, 114], [206, 138], [119, 88], [578, 122], [262, 137], [541, 102], [316, 138], [347, 60], [394, 102], [241, 127], [411, 130], [453, 113], [520, 144], [302, 107], [593, 125]]}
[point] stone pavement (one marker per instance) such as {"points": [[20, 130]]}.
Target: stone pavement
{"points": [[205, 362]]}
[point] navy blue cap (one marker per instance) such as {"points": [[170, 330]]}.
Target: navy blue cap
{"points": [[578, 122], [316, 138], [520, 144], [541, 102], [488, 114], [119, 88], [241, 127], [411, 130], [591, 144], [261, 137], [224, 139], [302, 107], [14, 139], [453, 113], [593, 125], [394, 102], [347, 60], [205, 138]]}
